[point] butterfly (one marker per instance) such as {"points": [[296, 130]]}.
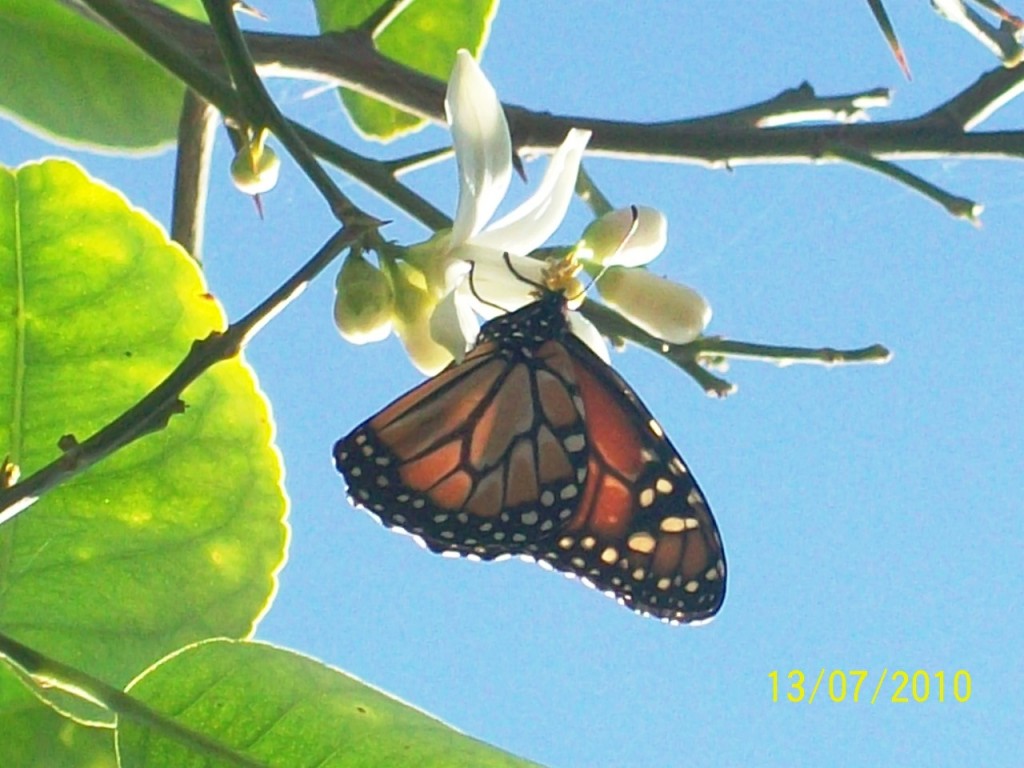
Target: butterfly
{"points": [[533, 446]]}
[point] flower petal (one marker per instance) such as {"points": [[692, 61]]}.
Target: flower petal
{"points": [[588, 333], [429, 357], [453, 324], [483, 147], [494, 288], [533, 222]]}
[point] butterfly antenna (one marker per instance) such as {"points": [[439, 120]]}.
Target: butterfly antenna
{"points": [[476, 294], [519, 275]]}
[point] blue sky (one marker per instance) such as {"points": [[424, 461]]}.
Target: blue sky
{"points": [[872, 516]]}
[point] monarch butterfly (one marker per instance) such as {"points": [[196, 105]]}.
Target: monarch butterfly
{"points": [[533, 446]]}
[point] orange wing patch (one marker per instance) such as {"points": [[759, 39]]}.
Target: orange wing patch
{"points": [[469, 461], [642, 531]]}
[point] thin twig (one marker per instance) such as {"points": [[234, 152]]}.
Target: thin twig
{"points": [[378, 176], [591, 194], [709, 348], [46, 672], [955, 206], [196, 129], [261, 111], [798, 105], [383, 16]]}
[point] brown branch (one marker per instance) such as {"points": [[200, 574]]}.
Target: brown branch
{"points": [[196, 128], [349, 59]]}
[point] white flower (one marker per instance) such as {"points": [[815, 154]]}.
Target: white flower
{"points": [[481, 268], [483, 153]]}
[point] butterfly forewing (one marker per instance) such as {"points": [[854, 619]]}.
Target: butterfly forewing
{"points": [[480, 460]]}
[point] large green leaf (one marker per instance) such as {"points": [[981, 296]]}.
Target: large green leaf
{"points": [[175, 538], [72, 79], [287, 710], [424, 36]]}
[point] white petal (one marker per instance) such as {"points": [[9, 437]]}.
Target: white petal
{"points": [[587, 331], [483, 147], [533, 222], [453, 324], [427, 355], [494, 288]]}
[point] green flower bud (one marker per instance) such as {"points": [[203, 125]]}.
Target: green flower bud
{"points": [[364, 304], [255, 167]]}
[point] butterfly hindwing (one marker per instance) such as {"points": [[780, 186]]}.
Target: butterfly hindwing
{"points": [[643, 531]]}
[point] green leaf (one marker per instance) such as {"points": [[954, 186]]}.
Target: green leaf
{"points": [[35, 736], [286, 709], [424, 36], [74, 81], [178, 536]]}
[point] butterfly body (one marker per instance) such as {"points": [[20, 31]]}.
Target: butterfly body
{"points": [[533, 446]]}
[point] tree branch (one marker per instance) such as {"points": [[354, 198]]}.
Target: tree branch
{"points": [[196, 128], [349, 59]]}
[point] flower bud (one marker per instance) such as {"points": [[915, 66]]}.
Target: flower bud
{"points": [[255, 167], [364, 302], [626, 237], [667, 310]]}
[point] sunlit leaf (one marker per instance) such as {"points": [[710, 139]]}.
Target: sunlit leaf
{"points": [[178, 536], [285, 710], [425, 36], [35, 736], [72, 80]]}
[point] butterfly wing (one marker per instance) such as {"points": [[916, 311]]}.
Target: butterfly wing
{"points": [[534, 446], [480, 460], [642, 531]]}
